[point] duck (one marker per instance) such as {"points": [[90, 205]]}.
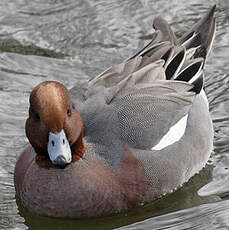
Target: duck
{"points": [[124, 138]]}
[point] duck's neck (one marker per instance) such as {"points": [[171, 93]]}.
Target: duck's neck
{"points": [[78, 148]]}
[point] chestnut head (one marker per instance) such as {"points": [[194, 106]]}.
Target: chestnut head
{"points": [[54, 127]]}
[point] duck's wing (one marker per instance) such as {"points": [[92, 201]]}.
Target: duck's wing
{"points": [[141, 109], [145, 115]]}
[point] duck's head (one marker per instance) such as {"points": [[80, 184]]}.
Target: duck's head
{"points": [[54, 127]]}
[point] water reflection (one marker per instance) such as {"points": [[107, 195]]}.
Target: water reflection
{"points": [[81, 39], [208, 216]]}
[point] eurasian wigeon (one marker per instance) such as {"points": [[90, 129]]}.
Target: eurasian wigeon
{"points": [[130, 135]]}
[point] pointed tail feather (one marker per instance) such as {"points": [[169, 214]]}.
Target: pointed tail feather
{"points": [[201, 34]]}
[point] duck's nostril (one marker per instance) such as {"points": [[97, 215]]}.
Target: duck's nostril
{"points": [[53, 143], [63, 141]]}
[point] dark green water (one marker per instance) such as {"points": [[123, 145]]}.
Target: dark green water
{"points": [[73, 40]]}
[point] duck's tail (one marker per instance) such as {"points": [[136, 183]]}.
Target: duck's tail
{"points": [[201, 35], [185, 56]]}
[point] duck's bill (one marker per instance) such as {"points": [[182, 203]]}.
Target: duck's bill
{"points": [[59, 149]]}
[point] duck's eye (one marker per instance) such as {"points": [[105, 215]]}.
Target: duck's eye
{"points": [[69, 112], [37, 117]]}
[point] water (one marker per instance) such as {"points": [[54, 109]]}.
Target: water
{"points": [[70, 41]]}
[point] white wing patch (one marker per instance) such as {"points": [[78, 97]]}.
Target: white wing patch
{"points": [[174, 134]]}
